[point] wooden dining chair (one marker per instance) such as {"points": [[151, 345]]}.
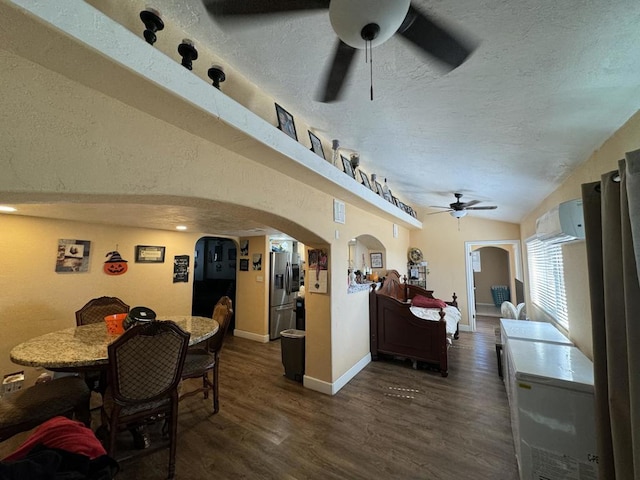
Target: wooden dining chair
{"points": [[200, 361], [145, 367], [28, 408], [96, 309]]}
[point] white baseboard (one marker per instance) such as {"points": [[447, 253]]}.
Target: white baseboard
{"points": [[251, 336], [333, 388]]}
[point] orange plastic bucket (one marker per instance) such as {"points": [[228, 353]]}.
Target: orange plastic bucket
{"points": [[114, 323]]}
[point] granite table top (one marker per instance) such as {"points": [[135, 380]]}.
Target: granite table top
{"points": [[86, 346]]}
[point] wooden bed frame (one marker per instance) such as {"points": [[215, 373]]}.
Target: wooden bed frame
{"points": [[396, 331]]}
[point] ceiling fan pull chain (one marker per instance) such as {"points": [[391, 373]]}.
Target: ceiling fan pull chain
{"points": [[371, 68]]}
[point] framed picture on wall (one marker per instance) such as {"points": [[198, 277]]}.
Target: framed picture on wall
{"points": [[348, 168], [285, 122], [149, 254], [376, 260], [316, 144]]}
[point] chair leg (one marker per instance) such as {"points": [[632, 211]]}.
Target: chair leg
{"points": [[216, 403], [173, 439], [205, 384]]}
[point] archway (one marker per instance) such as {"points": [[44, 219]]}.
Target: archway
{"points": [[214, 275], [512, 247]]}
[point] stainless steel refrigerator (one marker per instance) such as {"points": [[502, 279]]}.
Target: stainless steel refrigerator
{"points": [[284, 284]]}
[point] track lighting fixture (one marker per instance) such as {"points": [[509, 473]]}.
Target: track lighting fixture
{"points": [[153, 23]]}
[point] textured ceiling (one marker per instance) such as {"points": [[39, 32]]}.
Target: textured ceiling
{"points": [[548, 83]]}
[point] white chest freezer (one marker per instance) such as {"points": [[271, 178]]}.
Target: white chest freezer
{"points": [[552, 411], [527, 330]]}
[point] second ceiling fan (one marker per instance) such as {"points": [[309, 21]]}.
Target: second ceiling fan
{"points": [[360, 24], [459, 209]]}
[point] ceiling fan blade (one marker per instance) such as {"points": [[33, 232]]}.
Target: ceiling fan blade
{"points": [[434, 39], [443, 211], [338, 73], [488, 207], [239, 7], [471, 203]]}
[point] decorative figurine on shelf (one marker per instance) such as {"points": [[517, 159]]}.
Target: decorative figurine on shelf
{"points": [[188, 53], [352, 278]]}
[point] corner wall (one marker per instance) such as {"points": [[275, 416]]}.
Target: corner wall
{"points": [[603, 160]]}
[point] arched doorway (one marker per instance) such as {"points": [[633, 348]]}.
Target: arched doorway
{"points": [[513, 268], [214, 275]]}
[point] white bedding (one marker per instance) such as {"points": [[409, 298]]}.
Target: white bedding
{"points": [[451, 316]]}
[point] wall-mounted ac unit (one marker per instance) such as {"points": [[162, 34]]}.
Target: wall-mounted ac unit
{"points": [[563, 223]]}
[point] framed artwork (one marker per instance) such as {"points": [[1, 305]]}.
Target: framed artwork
{"points": [[285, 122], [365, 179], [316, 145], [376, 260], [244, 248], [180, 268], [73, 256], [149, 254], [257, 261], [244, 264], [348, 168]]}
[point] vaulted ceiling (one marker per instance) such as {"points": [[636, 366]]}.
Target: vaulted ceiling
{"points": [[548, 83]]}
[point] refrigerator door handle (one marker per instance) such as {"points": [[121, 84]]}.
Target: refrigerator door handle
{"points": [[287, 279], [283, 307]]}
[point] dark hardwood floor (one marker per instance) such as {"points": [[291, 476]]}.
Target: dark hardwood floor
{"points": [[390, 422]]}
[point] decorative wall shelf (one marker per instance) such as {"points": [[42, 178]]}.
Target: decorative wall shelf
{"points": [[189, 102]]}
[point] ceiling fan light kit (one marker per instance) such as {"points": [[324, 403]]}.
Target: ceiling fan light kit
{"points": [[350, 19], [458, 213]]}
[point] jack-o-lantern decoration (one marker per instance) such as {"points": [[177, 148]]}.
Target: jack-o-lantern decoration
{"points": [[115, 265]]}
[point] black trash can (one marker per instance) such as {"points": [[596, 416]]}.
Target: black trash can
{"points": [[292, 346], [300, 314]]}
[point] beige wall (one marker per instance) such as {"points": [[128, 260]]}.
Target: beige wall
{"points": [[37, 300], [442, 241], [252, 287], [494, 270], [603, 160], [92, 148]]}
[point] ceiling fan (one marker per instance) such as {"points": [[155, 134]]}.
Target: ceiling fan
{"points": [[459, 209], [360, 24]]}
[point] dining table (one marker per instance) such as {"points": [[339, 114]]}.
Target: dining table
{"points": [[85, 347]]}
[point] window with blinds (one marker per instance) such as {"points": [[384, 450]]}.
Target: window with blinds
{"points": [[546, 279]]}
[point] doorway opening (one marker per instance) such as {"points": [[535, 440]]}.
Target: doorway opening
{"points": [[498, 267], [214, 275]]}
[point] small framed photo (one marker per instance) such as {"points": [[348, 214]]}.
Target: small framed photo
{"points": [[376, 260], [285, 122], [316, 145], [348, 168], [244, 264], [365, 179], [149, 254]]}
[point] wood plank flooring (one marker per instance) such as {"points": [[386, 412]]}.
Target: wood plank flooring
{"points": [[390, 422]]}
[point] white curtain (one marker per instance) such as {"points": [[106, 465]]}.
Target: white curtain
{"points": [[612, 223]]}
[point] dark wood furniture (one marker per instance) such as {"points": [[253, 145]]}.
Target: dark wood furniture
{"points": [[28, 408], [96, 309], [395, 331], [200, 361], [145, 367]]}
